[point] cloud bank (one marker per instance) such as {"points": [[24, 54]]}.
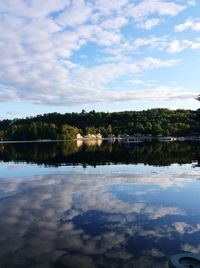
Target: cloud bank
{"points": [[69, 52]]}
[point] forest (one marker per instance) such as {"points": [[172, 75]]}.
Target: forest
{"points": [[66, 126]]}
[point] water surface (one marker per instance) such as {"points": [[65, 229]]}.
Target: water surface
{"points": [[65, 206]]}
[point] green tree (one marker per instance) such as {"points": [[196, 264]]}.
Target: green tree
{"points": [[198, 116], [2, 134], [109, 129], [68, 132], [33, 130]]}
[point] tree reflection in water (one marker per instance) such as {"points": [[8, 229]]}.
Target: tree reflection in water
{"points": [[57, 153]]}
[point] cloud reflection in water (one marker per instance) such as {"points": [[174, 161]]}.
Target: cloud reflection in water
{"points": [[97, 220]]}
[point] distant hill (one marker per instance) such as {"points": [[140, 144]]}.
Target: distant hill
{"points": [[66, 126]]}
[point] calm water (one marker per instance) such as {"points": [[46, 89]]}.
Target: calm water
{"points": [[106, 205]]}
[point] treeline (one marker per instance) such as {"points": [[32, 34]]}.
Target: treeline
{"points": [[65, 126], [37, 130]]}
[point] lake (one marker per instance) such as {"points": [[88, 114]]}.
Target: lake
{"points": [[98, 205]]}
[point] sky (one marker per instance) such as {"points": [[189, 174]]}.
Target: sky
{"points": [[69, 55]]}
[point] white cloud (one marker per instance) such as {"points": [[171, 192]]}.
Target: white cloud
{"points": [[195, 45], [75, 15], [114, 23], [177, 46], [166, 44], [161, 93], [32, 9], [8, 94], [148, 24], [150, 62], [189, 24], [152, 41], [40, 40], [136, 82], [111, 5], [145, 7], [91, 95], [192, 2], [105, 73]]}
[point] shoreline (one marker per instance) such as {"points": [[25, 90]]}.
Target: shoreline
{"points": [[130, 138]]}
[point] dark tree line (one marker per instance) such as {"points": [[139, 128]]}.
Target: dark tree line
{"points": [[35, 130], [65, 126]]}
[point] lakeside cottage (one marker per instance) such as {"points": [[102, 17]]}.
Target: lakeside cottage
{"points": [[99, 136], [79, 136], [89, 137]]}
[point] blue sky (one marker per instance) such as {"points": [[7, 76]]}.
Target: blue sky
{"points": [[69, 55]]}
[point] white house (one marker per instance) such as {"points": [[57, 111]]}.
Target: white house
{"points": [[99, 136], [79, 137]]}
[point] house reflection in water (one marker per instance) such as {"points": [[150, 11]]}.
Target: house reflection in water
{"points": [[89, 140]]}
